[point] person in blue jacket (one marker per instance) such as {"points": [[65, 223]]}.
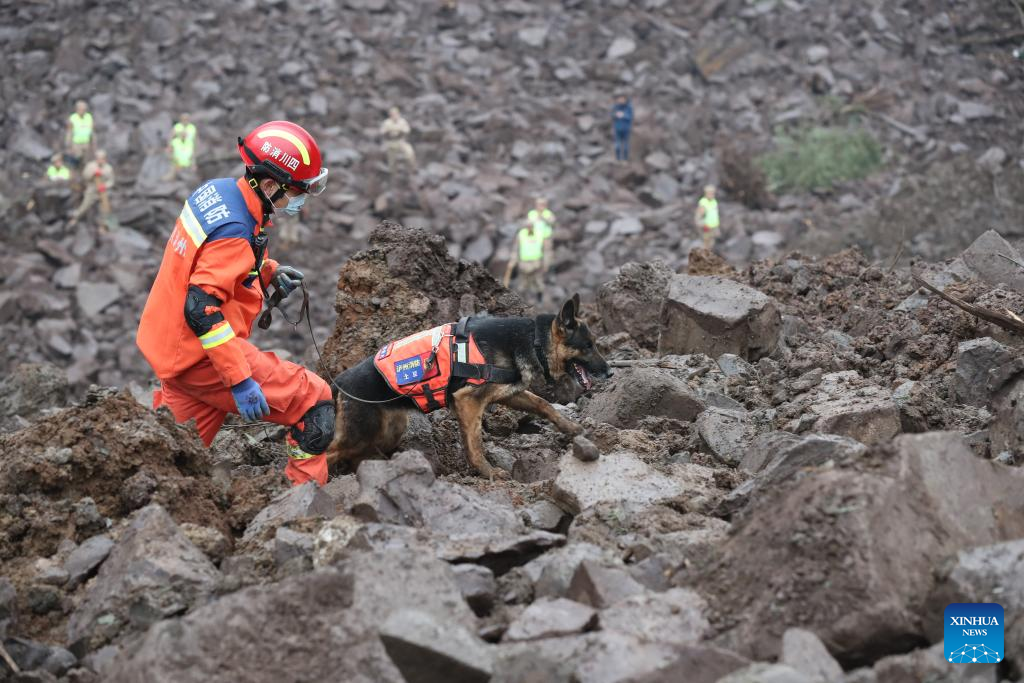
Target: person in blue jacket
{"points": [[622, 121]]}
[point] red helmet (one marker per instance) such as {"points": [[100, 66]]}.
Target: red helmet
{"points": [[285, 152]]}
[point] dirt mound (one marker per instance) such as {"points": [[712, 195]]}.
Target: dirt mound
{"points": [[406, 282], [111, 451]]}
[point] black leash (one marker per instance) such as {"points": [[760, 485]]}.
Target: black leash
{"points": [[267, 316]]}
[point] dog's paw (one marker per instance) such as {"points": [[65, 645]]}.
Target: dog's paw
{"points": [[498, 473], [573, 428]]}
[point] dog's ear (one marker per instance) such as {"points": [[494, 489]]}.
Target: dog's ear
{"points": [[567, 317], [576, 304]]}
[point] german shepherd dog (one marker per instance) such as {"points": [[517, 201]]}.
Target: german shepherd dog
{"points": [[562, 343]]}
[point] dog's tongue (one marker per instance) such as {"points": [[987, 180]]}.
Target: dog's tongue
{"points": [[584, 375]]}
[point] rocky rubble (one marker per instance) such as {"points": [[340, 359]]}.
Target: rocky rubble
{"points": [[795, 517]]}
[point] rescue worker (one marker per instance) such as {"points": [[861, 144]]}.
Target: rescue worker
{"points": [[57, 171], [211, 286], [98, 176], [622, 125], [532, 252], [395, 131], [185, 124], [182, 150], [706, 216], [78, 137]]}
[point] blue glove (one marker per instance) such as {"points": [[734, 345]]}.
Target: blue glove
{"points": [[249, 398], [286, 279]]}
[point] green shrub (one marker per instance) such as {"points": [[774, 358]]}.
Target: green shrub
{"points": [[818, 158]]}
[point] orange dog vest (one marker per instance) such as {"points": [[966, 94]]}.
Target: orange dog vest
{"points": [[421, 366]]}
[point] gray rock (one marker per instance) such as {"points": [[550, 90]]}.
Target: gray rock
{"points": [[993, 160], [552, 572], [766, 673], [212, 542], [627, 225], [37, 657], [307, 500], [584, 450], [427, 650], [804, 651], [674, 616], [640, 392], [550, 618], [733, 366], [403, 490], [986, 574], [632, 301], [984, 261], [778, 456], [290, 544], [621, 47], [544, 515], [29, 144], [975, 358], [93, 297], [845, 404], [619, 477], [930, 665], [152, 572], [726, 433], [972, 111], [713, 315], [84, 559], [8, 605], [477, 586], [337, 610], [534, 36], [790, 538], [816, 53], [600, 585]]}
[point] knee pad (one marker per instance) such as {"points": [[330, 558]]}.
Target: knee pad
{"points": [[317, 429]]}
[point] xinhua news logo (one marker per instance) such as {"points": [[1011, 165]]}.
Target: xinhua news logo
{"points": [[973, 632]]}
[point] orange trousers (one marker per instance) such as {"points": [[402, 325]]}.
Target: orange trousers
{"points": [[199, 394]]}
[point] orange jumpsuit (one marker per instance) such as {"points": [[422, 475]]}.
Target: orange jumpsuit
{"points": [[211, 247]]}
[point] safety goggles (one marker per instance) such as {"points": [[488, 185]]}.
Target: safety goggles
{"points": [[314, 186]]}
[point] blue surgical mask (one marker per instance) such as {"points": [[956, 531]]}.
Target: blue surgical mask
{"points": [[295, 205]]}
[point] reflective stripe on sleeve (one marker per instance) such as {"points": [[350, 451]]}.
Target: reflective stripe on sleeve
{"points": [[217, 336], [188, 220]]}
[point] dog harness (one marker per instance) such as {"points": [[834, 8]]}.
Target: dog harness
{"points": [[423, 365]]}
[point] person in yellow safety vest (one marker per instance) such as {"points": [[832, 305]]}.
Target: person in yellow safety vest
{"points": [[58, 172], [532, 252], [182, 148], [185, 124], [79, 137], [706, 216]]}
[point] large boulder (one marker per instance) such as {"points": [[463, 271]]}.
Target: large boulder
{"points": [[849, 552], [322, 625], [846, 404], [631, 302], [985, 260], [640, 392], [992, 573], [977, 362], [714, 315], [152, 572], [619, 477], [30, 389], [779, 456], [297, 502]]}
